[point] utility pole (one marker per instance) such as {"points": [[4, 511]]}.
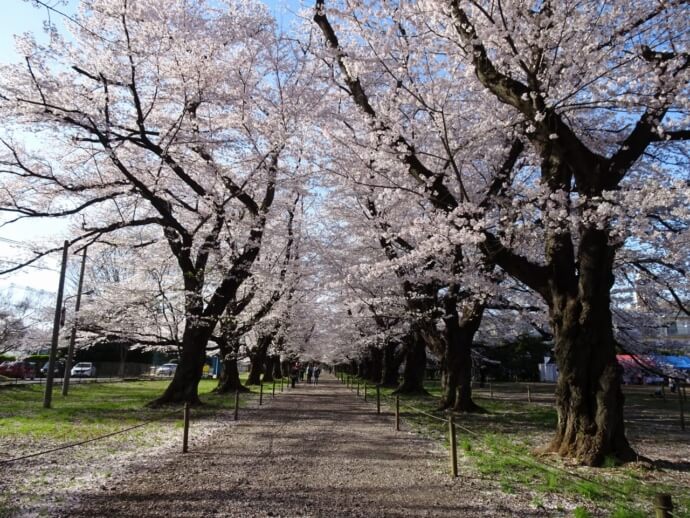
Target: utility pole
{"points": [[73, 334], [48, 394]]}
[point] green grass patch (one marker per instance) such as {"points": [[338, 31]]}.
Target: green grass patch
{"points": [[499, 444], [92, 409]]}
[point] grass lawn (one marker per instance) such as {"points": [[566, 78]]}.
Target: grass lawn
{"points": [[92, 409], [500, 444]]}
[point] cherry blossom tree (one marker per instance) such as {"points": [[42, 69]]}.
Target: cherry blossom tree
{"points": [[178, 116], [592, 95]]}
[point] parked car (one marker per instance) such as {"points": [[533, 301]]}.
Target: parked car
{"points": [[167, 369], [14, 369], [83, 369], [58, 369]]}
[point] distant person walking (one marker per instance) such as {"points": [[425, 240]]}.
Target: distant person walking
{"points": [[310, 373], [317, 373], [294, 374]]}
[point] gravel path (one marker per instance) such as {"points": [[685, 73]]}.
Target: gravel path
{"points": [[311, 451]]}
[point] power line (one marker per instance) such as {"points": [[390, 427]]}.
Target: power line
{"points": [[29, 265]]}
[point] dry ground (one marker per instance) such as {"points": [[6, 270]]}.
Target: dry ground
{"points": [[312, 451]]}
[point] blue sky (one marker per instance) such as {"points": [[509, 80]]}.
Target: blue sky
{"points": [[18, 17]]}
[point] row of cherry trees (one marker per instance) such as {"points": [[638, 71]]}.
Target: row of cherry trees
{"points": [[495, 146], [391, 176], [177, 130]]}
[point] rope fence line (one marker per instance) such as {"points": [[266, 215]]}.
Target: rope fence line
{"points": [[185, 409], [186, 420], [86, 441], [504, 451]]}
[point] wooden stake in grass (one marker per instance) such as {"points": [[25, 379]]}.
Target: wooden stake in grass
{"points": [[529, 394], [453, 447], [185, 434], [365, 391], [663, 505], [281, 384], [237, 403], [397, 413], [273, 390], [261, 393], [358, 387], [491, 391], [378, 399]]}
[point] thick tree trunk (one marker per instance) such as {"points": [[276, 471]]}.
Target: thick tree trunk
{"points": [[391, 364], [375, 365], [588, 395], [258, 358], [124, 349], [184, 386], [277, 367], [255, 371], [456, 375], [415, 365], [229, 379], [361, 369], [268, 370]]}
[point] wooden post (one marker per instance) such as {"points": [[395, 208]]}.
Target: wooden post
{"points": [[185, 435], [281, 384], [397, 413], [681, 406], [358, 387], [663, 505], [237, 403], [261, 393], [529, 394], [378, 399], [453, 447], [491, 391], [365, 391], [273, 390]]}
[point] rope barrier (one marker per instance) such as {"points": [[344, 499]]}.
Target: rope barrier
{"points": [[528, 460], [86, 441]]}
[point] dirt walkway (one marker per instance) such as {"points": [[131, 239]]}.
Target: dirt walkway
{"points": [[311, 451]]}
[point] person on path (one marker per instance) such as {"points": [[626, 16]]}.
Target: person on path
{"points": [[317, 373], [310, 373], [294, 374]]}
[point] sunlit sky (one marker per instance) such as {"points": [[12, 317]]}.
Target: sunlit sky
{"points": [[18, 17]]}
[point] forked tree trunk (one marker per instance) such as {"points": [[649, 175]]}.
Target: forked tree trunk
{"points": [[415, 365], [456, 375], [391, 364], [589, 398]]}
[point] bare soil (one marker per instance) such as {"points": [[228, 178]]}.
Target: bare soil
{"points": [[312, 451]]}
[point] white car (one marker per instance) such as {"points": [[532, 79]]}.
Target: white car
{"points": [[84, 369], [167, 369]]}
